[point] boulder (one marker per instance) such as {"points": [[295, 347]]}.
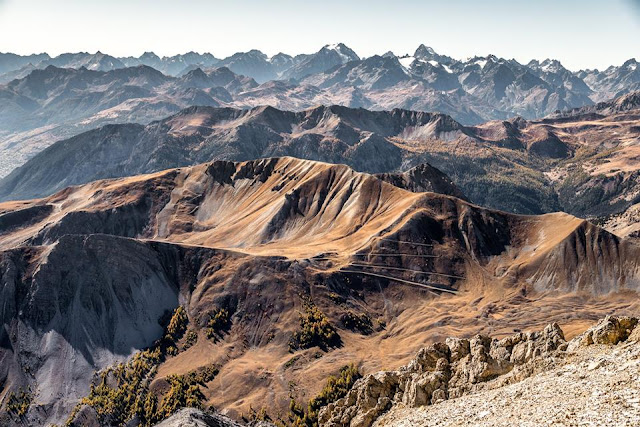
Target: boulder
{"points": [[610, 330]]}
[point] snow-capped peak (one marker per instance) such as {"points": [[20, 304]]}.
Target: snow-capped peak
{"points": [[478, 60], [341, 49], [631, 64], [551, 66], [426, 49]]}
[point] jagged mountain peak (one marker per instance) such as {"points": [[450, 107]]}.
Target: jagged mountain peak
{"points": [[427, 53], [550, 66], [346, 54], [280, 56], [196, 72], [253, 53], [424, 50], [149, 54], [631, 64]]}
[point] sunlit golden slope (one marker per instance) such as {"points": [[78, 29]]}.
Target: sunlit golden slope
{"points": [[255, 237]]}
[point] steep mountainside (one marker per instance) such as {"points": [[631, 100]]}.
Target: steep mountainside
{"points": [[624, 103], [42, 104], [586, 165], [614, 81], [259, 254], [550, 387], [526, 379]]}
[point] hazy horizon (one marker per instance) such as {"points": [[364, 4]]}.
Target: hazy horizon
{"points": [[580, 34]]}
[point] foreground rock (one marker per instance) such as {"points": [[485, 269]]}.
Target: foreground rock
{"points": [[190, 417], [460, 367]]}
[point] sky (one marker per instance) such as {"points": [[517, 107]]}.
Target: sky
{"points": [[581, 34]]}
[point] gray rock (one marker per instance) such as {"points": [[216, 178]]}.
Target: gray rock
{"points": [[439, 372], [191, 417]]}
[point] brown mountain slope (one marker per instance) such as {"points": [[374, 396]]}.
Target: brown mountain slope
{"points": [[87, 272], [586, 165]]}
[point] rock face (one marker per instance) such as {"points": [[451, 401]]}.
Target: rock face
{"points": [[611, 330], [423, 178], [76, 315], [190, 417], [459, 366], [439, 372], [589, 385]]}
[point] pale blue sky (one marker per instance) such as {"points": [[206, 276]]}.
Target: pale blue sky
{"points": [[581, 34]]}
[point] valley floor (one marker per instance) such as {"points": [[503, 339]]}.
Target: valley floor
{"points": [[598, 385]]}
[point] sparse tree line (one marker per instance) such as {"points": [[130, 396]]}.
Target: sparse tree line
{"points": [[121, 393]]}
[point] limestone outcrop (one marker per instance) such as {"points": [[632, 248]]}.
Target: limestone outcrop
{"points": [[458, 366]]}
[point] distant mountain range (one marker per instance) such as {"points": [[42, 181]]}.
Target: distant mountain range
{"points": [[583, 163], [44, 99], [503, 77]]}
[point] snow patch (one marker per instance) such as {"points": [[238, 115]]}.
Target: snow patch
{"points": [[406, 61], [336, 48], [481, 62]]}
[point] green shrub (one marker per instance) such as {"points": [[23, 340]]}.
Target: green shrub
{"points": [[291, 361], [260, 415], [338, 299], [122, 392], [202, 375], [190, 340], [336, 388], [127, 394], [219, 322], [357, 322], [175, 330], [315, 330], [184, 393], [18, 403]]}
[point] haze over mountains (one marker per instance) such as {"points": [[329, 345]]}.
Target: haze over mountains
{"points": [[46, 99], [224, 234], [584, 162]]}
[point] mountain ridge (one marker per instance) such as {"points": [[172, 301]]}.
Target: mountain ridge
{"points": [[517, 165], [181, 237], [472, 91]]}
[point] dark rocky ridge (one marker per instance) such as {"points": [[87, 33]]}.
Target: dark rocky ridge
{"points": [[331, 134], [515, 165]]}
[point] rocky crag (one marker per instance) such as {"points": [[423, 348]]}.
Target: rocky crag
{"points": [[457, 367]]}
